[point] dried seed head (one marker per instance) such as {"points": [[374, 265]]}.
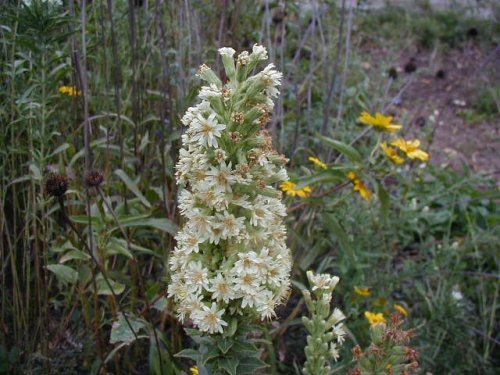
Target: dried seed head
{"points": [[393, 73], [238, 117], [236, 136], [411, 66], [94, 178], [56, 184]]}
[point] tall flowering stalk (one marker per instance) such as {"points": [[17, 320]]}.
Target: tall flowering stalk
{"points": [[325, 327], [231, 263]]}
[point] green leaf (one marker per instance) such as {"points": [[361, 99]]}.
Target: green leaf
{"points": [[59, 149], [160, 362], [162, 224], [350, 152], [230, 365], [132, 186], [121, 331], [326, 176], [224, 345], [189, 353], [250, 365], [64, 273], [118, 246], [104, 289], [161, 304], [213, 352], [74, 254], [341, 236]]}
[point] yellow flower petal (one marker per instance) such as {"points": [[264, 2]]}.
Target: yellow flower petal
{"points": [[360, 187], [379, 121], [194, 370], [363, 292], [374, 318], [392, 153], [317, 162], [401, 309], [290, 188], [411, 148]]}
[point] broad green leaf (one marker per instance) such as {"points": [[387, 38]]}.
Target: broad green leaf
{"points": [[161, 304], [118, 246], [341, 237], [224, 345], [121, 331], [104, 289], [74, 254], [64, 273], [132, 186], [230, 365], [162, 224], [189, 353], [350, 152], [250, 365]]}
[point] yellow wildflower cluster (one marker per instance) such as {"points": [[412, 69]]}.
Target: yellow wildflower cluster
{"points": [[360, 186], [317, 162], [374, 318], [290, 188], [410, 148], [70, 90]]}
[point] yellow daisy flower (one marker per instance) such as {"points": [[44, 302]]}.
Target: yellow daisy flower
{"points": [[317, 162], [290, 188], [401, 309], [392, 153], [360, 186], [379, 121], [411, 148], [194, 370], [70, 90], [374, 318], [363, 292]]}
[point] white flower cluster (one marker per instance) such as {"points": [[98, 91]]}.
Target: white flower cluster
{"points": [[231, 257]]}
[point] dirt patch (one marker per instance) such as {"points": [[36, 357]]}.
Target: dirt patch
{"points": [[441, 102]]}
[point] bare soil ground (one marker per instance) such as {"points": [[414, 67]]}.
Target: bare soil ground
{"points": [[442, 100]]}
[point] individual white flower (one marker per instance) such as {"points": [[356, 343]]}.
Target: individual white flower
{"points": [[197, 277], [221, 288], [209, 319], [227, 51], [258, 52], [339, 332], [334, 351], [221, 177], [229, 225], [207, 130], [200, 223], [188, 242], [271, 79], [322, 281], [211, 91], [337, 316], [261, 215], [247, 283], [243, 58]]}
